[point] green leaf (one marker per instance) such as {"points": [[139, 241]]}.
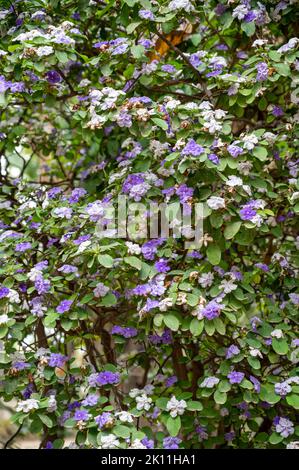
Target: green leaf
{"points": [[214, 254], [280, 346], [3, 331], [173, 425], [137, 51], [248, 28], [267, 394], [293, 400], [220, 326], [196, 326], [283, 69], [133, 261], [106, 261], [220, 397], [261, 153], [46, 420], [171, 321], [109, 299], [275, 438], [121, 431], [231, 230], [194, 406], [161, 123]]}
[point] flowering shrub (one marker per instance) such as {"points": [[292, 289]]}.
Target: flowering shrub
{"points": [[144, 343]]}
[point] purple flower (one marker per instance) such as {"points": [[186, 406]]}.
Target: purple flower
{"points": [[165, 338], [53, 77], [149, 248], [184, 193], [232, 351], [90, 400], [282, 389], [256, 384], [212, 310], [162, 266], [63, 212], [284, 427], [28, 390], [146, 15], [194, 60], [24, 246], [294, 298], [168, 68], [192, 148], [171, 381], [235, 377], [262, 266], [148, 443], [68, 269], [171, 443], [53, 192], [77, 194], [20, 365], [64, 306], [249, 17], [277, 111], [81, 415], [126, 332], [107, 378], [234, 150], [247, 212], [42, 285], [104, 419], [213, 158], [56, 360], [262, 71], [4, 291], [229, 436]]}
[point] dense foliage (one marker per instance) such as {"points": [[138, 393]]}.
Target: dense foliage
{"points": [[143, 343]]}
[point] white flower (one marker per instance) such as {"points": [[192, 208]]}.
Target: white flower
{"points": [[100, 290], [14, 296], [44, 51], [255, 352], [216, 202], [213, 126], [250, 141], [109, 442], [52, 404], [4, 319], [228, 286], [143, 402], [124, 417], [176, 407], [210, 382], [165, 304], [240, 12], [206, 279], [133, 248], [2, 53], [34, 274], [259, 42], [134, 392], [293, 445], [277, 334], [27, 405], [137, 444], [82, 247], [234, 181], [181, 5]]}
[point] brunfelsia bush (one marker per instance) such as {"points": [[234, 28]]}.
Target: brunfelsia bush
{"points": [[144, 343]]}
